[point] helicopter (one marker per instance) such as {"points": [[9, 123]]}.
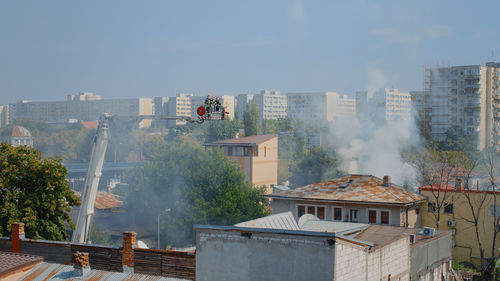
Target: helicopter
{"points": [[212, 109]]}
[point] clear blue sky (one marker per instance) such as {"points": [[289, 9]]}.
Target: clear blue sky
{"points": [[49, 49]]}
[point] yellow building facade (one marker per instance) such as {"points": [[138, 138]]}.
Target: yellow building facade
{"points": [[456, 215]]}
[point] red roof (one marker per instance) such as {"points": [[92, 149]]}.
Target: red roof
{"points": [[90, 124], [352, 188], [16, 131], [449, 188], [252, 140], [105, 200]]}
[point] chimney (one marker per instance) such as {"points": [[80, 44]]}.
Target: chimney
{"points": [[81, 265], [129, 242], [387, 181], [17, 233], [458, 183]]}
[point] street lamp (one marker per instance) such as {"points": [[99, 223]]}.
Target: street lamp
{"points": [[166, 210]]}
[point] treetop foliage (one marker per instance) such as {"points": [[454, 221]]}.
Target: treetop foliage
{"points": [[34, 190]]}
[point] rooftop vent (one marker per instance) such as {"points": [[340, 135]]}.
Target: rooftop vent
{"points": [[345, 184]]}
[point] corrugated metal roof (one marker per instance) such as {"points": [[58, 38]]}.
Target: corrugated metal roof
{"points": [[54, 271], [312, 223], [246, 140], [352, 188], [381, 235], [105, 200], [276, 221]]}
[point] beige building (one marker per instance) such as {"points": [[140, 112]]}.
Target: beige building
{"points": [[257, 156], [4, 116], [82, 107], [467, 97], [343, 106], [180, 105], [311, 107], [352, 198]]}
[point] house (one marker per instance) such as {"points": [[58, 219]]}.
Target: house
{"points": [[352, 198], [278, 248], [456, 215], [257, 157], [16, 136]]}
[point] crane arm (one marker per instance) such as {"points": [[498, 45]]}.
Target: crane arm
{"points": [[94, 170]]}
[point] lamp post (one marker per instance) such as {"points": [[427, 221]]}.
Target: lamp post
{"points": [[166, 210]]}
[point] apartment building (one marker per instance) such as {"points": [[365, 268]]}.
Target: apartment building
{"points": [[384, 105], [4, 116], [272, 104], [343, 107], [180, 105], [311, 107], [227, 101], [160, 105], [241, 104], [83, 107], [467, 97]]}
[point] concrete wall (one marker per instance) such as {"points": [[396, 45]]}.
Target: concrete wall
{"points": [[430, 256], [391, 259], [229, 255], [395, 212], [350, 261]]}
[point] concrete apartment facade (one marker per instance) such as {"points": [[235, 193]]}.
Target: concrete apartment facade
{"points": [[241, 104], [257, 157], [83, 107], [311, 107], [456, 211], [277, 248], [180, 105], [384, 105], [4, 116], [467, 97], [352, 198], [272, 104]]}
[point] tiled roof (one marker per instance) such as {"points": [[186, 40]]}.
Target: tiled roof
{"points": [[381, 235], [246, 140], [16, 131], [53, 271], [276, 221], [352, 188], [90, 124], [105, 200], [12, 262]]}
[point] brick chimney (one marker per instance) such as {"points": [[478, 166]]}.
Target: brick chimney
{"points": [[387, 181], [17, 233], [81, 264], [129, 242]]}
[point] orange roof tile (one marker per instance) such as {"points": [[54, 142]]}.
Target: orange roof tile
{"points": [[353, 188], [105, 200], [90, 124], [246, 140]]}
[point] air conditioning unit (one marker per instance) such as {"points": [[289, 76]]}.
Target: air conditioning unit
{"points": [[427, 231], [452, 223], [412, 238]]}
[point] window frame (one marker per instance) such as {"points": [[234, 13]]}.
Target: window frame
{"points": [[350, 215], [446, 205], [388, 214], [307, 206], [368, 215], [341, 213]]}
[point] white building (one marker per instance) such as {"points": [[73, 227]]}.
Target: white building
{"points": [[180, 105], [343, 106], [312, 107], [467, 97], [384, 105], [160, 105], [272, 105]]}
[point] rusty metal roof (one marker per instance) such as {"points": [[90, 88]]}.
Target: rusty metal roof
{"points": [[105, 200], [252, 140], [54, 271], [352, 188], [12, 262]]}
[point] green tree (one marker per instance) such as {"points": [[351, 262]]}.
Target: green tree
{"points": [[198, 186], [457, 140], [251, 119], [34, 190], [316, 166], [220, 130]]}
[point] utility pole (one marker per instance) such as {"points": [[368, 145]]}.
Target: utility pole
{"points": [[166, 210]]}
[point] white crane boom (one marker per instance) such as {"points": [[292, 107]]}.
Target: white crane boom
{"points": [[99, 146]]}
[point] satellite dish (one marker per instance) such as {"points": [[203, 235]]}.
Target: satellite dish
{"points": [[142, 245]]}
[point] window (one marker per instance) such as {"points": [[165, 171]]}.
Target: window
{"points": [[310, 210], [320, 213], [495, 211], [431, 207], [384, 217], [354, 215], [372, 216], [301, 210], [448, 208], [337, 214]]}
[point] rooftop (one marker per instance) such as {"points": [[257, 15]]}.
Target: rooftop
{"points": [[11, 262], [352, 188], [252, 140], [105, 200], [276, 221], [16, 131]]}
